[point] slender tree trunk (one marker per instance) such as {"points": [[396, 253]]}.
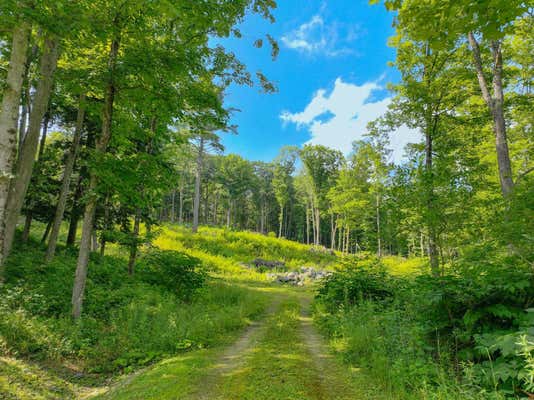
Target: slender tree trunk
{"points": [[332, 232], [107, 227], [181, 205], [65, 185], [307, 224], [495, 105], [75, 213], [318, 225], [262, 219], [198, 177], [90, 208], [19, 185], [432, 247], [8, 123], [378, 233], [173, 208], [94, 240], [27, 226], [281, 220], [46, 232], [134, 246], [42, 143]]}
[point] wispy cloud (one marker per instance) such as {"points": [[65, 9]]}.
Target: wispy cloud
{"points": [[320, 37], [341, 117]]}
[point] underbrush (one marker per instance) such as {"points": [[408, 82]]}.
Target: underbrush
{"points": [[468, 334], [168, 306]]}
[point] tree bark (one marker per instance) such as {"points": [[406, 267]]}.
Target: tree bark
{"points": [[495, 105], [198, 177], [65, 185], [8, 122], [90, 208], [19, 185]]}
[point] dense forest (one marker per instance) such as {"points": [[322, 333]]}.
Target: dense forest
{"points": [[110, 130]]}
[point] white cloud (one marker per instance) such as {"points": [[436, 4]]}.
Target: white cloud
{"points": [[341, 117], [319, 37]]}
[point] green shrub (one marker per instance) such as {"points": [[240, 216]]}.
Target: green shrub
{"points": [[175, 271], [353, 284]]}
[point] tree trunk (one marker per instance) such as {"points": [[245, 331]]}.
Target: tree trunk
{"points": [[90, 208], [495, 105], [307, 224], [8, 122], [262, 218], [65, 185], [181, 204], [134, 246], [333, 231], [281, 220], [378, 233], [42, 143], [46, 232], [173, 207], [198, 177], [27, 226], [430, 220], [75, 213], [94, 240], [318, 226], [19, 185]]}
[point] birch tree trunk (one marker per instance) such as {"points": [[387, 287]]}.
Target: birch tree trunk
{"points": [[90, 208], [8, 122], [67, 173], [19, 185]]}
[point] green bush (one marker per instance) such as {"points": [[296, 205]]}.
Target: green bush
{"points": [[175, 271], [353, 284]]}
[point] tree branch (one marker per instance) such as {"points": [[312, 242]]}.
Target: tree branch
{"points": [[480, 71]]}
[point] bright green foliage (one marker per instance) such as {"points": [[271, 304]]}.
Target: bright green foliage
{"points": [[417, 330]]}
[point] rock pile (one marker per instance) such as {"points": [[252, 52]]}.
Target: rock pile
{"points": [[298, 278], [266, 264]]}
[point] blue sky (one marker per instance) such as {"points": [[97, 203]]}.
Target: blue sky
{"points": [[331, 73]]}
